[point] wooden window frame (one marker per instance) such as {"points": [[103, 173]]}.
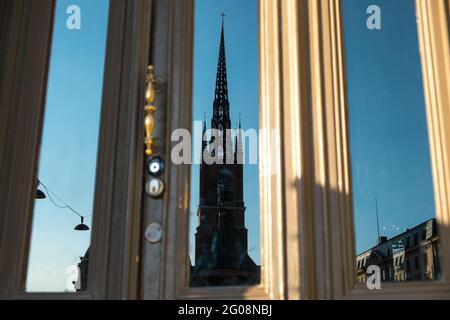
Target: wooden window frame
{"points": [[307, 227], [115, 237], [332, 212], [169, 260]]}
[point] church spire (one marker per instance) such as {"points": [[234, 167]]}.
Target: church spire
{"points": [[221, 113]]}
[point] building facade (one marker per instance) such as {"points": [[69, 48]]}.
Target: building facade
{"points": [[410, 256]]}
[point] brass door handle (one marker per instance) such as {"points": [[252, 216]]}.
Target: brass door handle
{"points": [[154, 86]]}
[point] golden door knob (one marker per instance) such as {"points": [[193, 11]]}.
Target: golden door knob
{"points": [[153, 87]]}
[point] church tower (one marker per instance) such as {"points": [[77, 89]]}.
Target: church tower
{"points": [[221, 253]]}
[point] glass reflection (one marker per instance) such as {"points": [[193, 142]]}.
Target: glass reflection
{"points": [[59, 254], [224, 235], [394, 209]]}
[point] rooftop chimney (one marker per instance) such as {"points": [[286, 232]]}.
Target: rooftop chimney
{"points": [[382, 239]]}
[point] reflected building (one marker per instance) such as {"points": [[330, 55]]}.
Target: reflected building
{"points": [[221, 253], [410, 256], [83, 268]]}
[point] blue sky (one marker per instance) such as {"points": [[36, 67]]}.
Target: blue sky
{"points": [[69, 144], [241, 44], [388, 131]]}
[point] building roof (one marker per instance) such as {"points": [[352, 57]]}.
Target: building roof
{"points": [[382, 248]]}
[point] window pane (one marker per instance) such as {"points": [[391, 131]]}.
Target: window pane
{"points": [[225, 216], [392, 179], [67, 166]]}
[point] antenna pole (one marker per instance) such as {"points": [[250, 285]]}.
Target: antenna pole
{"points": [[378, 220]]}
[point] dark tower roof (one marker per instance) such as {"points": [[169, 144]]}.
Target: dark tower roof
{"points": [[221, 113]]}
